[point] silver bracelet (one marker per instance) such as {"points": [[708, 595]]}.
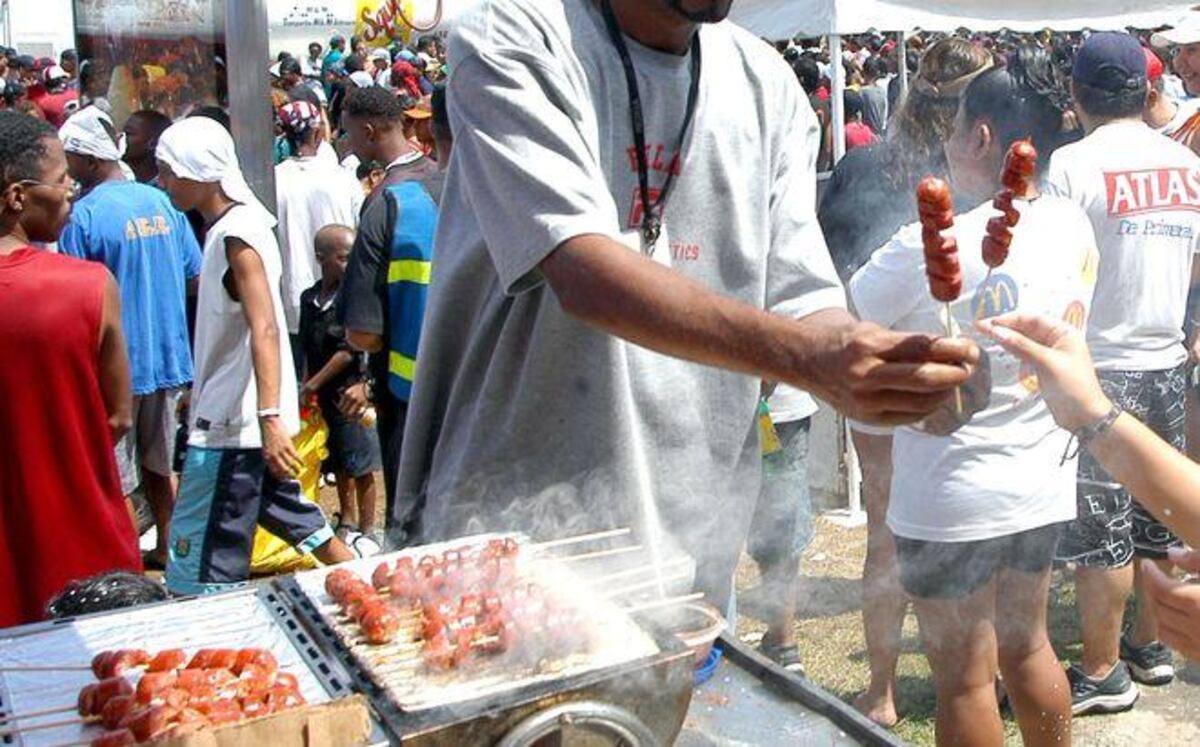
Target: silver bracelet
{"points": [[269, 412], [1088, 433]]}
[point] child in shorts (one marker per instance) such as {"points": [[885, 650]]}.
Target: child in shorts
{"points": [[330, 366]]}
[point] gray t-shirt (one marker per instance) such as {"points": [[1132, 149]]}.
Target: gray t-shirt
{"points": [[875, 107], [523, 417]]}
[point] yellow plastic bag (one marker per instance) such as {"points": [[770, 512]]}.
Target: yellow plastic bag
{"points": [[271, 555]]}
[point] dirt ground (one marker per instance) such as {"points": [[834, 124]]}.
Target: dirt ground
{"points": [[829, 628]]}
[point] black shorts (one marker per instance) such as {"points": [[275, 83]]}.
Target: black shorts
{"points": [[1112, 527], [953, 570]]}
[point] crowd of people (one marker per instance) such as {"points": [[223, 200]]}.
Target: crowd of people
{"points": [[40, 86], [561, 268]]}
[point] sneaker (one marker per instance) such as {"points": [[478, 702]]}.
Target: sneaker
{"points": [[1151, 664], [1113, 694]]}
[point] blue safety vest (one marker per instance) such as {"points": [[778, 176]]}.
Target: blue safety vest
{"points": [[410, 266]]}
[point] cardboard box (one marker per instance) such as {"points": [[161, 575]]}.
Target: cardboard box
{"points": [[340, 723]]}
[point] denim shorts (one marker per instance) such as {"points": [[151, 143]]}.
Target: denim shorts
{"points": [[782, 525], [353, 447], [954, 570]]}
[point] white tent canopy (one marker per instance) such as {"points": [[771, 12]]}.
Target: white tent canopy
{"points": [[784, 19]]}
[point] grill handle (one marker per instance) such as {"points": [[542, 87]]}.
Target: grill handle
{"points": [[601, 717]]}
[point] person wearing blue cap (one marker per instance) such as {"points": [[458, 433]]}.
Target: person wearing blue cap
{"points": [[1142, 194]]}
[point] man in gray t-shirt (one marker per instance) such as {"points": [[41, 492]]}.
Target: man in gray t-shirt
{"points": [[560, 386]]}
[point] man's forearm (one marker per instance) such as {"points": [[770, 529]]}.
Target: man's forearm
{"points": [[264, 351], [340, 361], [627, 295], [1166, 482]]}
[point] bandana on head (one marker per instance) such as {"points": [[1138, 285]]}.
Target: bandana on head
{"points": [[201, 150], [90, 132], [362, 79], [406, 77], [299, 117]]}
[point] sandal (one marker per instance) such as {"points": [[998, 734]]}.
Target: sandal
{"points": [[343, 529], [787, 657]]}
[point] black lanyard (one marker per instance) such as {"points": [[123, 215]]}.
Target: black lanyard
{"points": [[651, 213]]}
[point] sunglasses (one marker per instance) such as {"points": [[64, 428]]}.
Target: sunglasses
{"points": [[70, 189]]}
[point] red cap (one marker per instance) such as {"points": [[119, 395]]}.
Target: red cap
{"points": [[1154, 66]]}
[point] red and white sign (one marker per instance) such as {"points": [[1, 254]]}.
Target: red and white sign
{"points": [[1153, 191]]}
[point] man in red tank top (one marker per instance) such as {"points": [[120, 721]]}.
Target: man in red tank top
{"points": [[66, 385]]}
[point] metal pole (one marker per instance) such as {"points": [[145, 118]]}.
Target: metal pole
{"points": [[246, 37], [853, 475], [902, 68], [837, 101]]}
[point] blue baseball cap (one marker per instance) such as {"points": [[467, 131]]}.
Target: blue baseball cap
{"points": [[1111, 61]]}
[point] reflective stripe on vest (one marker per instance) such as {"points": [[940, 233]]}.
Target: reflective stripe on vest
{"points": [[409, 270]]}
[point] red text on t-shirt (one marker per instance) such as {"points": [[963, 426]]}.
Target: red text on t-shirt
{"points": [[1151, 191]]}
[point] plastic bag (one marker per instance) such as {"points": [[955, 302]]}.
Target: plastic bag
{"points": [[271, 555]]}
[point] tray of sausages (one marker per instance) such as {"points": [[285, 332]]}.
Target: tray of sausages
{"points": [[152, 673], [450, 622]]}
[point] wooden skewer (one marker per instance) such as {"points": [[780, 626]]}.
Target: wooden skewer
{"points": [[50, 725], [637, 571], [47, 668], [36, 714], [580, 539], [664, 602], [958, 398], [599, 554], [643, 585]]}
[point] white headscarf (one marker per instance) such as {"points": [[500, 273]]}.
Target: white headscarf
{"points": [[89, 132], [362, 79], [200, 149]]}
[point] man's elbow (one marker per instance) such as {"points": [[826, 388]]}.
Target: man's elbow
{"points": [[120, 424], [266, 332], [364, 341], [569, 286]]}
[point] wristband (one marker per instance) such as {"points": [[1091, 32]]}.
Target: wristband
{"points": [[1088, 433], [269, 412]]}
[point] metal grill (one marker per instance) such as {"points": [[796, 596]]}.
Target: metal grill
{"points": [[257, 618], [398, 666]]}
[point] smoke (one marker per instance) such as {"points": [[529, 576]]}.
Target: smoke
{"points": [[683, 498]]}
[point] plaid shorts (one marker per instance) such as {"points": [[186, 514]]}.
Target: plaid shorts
{"points": [[1112, 527]]}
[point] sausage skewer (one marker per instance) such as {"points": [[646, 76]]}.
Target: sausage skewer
{"points": [[935, 206], [1020, 165]]}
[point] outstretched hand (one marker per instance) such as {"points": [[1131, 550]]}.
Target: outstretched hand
{"points": [[1177, 603], [1059, 353], [874, 375]]}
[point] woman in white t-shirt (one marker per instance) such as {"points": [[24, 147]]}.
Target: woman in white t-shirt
{"points": [[977, 513]]}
